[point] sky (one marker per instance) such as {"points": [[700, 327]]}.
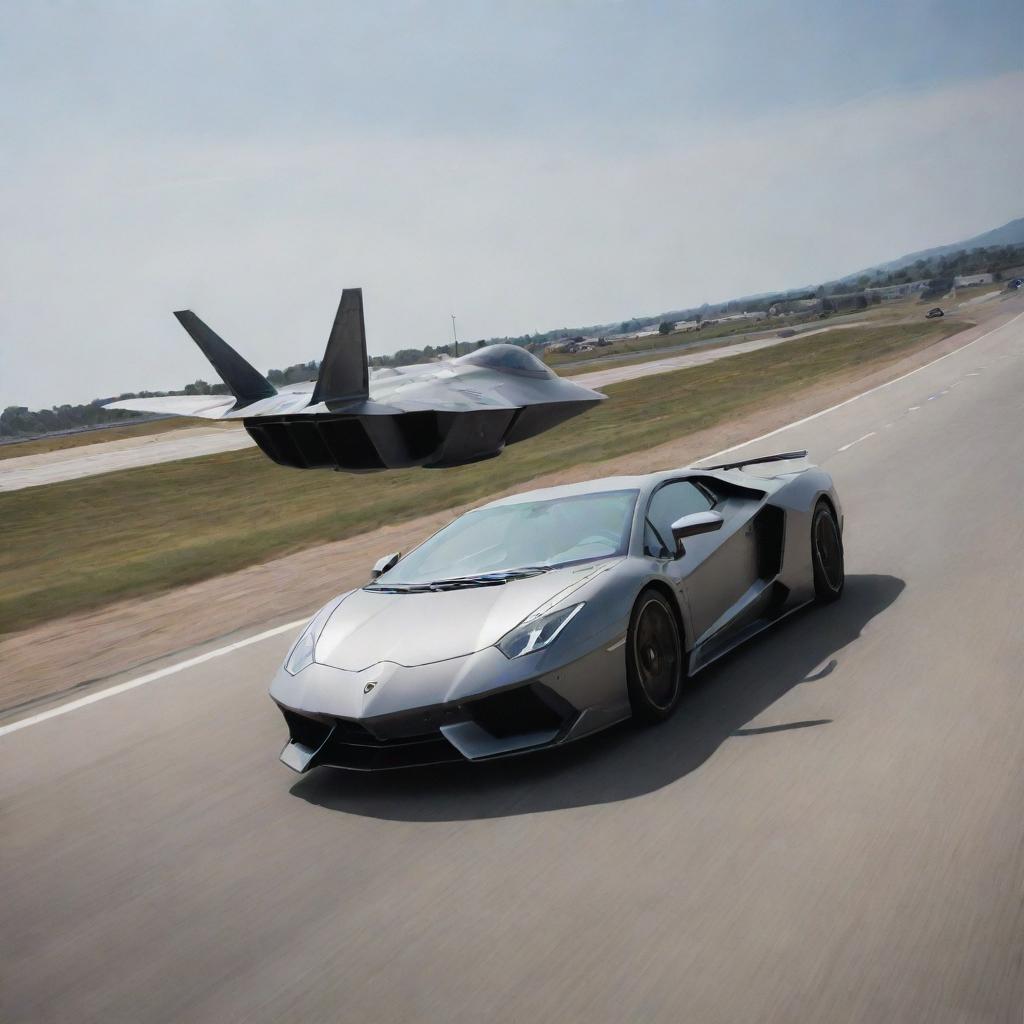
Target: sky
{"points": [[525, 165]]}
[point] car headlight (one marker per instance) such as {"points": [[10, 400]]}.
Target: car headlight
{"points": [[303, 654], [536, 634]]}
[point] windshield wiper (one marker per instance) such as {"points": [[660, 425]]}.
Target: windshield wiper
{"points": [[399, 588], [489, 579], [485, 579]]}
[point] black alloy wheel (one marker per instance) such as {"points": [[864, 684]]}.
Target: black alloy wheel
{"points": [[654, 658], [827, 554]]}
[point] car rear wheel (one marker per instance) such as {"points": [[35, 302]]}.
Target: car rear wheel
{"points": [[827, 554], [654, 658]]}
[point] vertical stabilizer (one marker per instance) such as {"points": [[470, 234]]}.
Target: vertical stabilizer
{"points": [[244, 381], [344, 373]]}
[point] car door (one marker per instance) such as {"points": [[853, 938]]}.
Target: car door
{"points": [[717, 569]]}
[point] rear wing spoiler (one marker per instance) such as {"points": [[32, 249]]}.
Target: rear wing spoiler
{"points": [[782, 457]]}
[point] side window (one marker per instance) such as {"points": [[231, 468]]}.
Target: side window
{"points": [[669, 503]]}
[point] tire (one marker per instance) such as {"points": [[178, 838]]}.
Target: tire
{"points": [[654, 658], [827, 554]]}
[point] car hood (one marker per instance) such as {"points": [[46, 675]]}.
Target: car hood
{"points": [[370, 626]]}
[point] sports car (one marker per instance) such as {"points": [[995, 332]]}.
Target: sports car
{"points": [[543, 617]]}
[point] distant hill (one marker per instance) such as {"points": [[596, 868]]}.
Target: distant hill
{"points": [[1008, 234]]}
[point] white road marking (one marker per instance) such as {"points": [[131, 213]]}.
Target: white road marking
{"points": [[150, 677], [112, 691], [914, 408], [858, 441]]}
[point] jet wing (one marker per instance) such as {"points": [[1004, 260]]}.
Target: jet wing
{"points": [[207, 407]]}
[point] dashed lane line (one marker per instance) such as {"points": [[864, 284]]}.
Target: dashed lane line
{"points": [[846, 447]]}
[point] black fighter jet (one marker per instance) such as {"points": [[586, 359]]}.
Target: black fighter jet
{"points": [[437, 414]]}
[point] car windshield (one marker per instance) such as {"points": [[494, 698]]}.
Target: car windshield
{"points": [[507, 541]]}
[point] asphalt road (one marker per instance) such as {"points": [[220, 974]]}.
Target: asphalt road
{"points": [[830, 829]]}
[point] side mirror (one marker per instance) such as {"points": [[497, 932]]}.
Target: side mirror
{"points": [[383, 564], [694, 524]]}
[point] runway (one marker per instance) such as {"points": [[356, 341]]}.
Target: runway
{"points": [[828, 830], [112, 456]]}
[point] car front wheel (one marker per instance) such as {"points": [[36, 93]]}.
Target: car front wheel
{"points": [[654, 658]]}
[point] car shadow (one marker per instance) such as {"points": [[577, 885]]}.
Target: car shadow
{"points": [[626, 761]]}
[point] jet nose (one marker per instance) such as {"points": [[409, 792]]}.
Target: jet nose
{"points": [[583, 394]]}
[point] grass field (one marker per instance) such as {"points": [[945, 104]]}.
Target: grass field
{"points": [[80, 544]]}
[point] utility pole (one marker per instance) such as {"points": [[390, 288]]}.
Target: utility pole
{"points": [[455, 336]]}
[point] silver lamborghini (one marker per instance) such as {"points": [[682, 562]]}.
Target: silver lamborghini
{"points": [[547, 616]]}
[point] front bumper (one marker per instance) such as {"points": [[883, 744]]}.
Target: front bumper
{"points": [[511, 721], [469, 708]]}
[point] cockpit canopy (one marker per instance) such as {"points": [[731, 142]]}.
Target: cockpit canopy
{"points": [[509, 358]]}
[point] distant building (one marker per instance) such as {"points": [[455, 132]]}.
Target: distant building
{"points": [[968, 280]]}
